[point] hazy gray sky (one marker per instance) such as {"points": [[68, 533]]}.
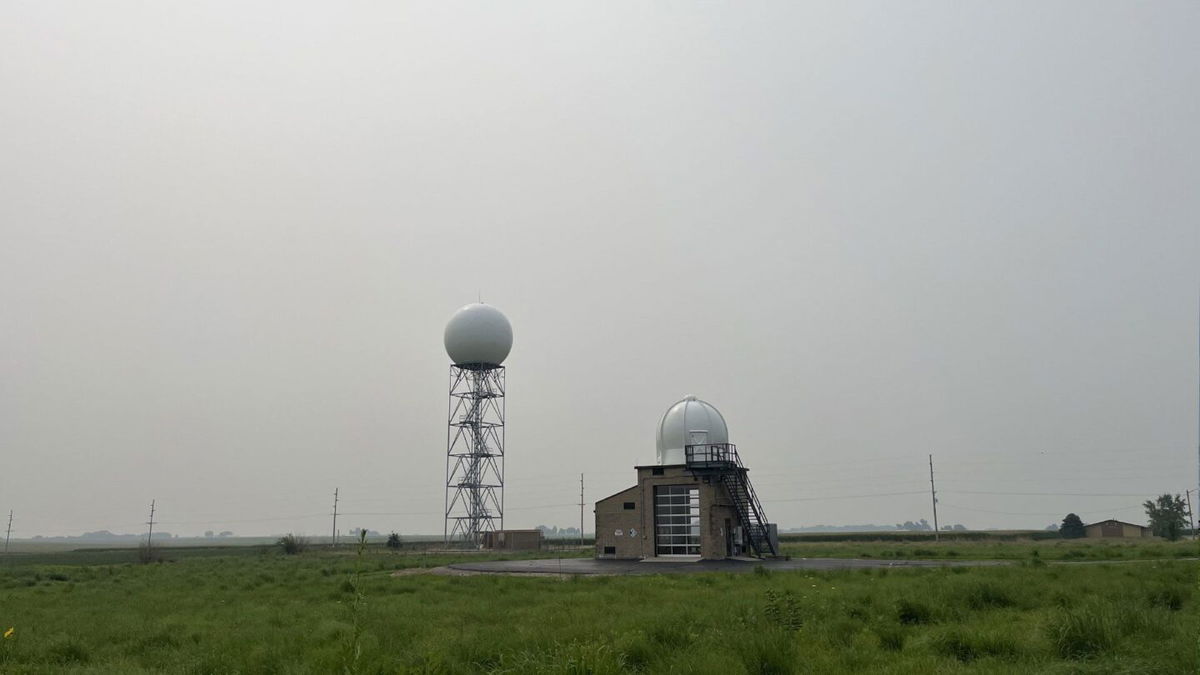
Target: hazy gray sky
{"points": [[232, 233]]}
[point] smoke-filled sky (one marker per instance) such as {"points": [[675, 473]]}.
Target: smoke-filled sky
{"points": [[231, 234]]}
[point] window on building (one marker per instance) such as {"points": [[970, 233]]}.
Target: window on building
{"points": [[629, 506], [656, 471], [676, 520], [610, 550]]}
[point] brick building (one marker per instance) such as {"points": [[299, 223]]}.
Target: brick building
{"points": [[512, 540], [695, 501]]}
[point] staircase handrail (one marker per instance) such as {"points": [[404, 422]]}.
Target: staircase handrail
{"points": [[754, 503]]}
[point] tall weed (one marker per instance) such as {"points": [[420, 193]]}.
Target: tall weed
{"points": [[1084, 631], [783, 610]]}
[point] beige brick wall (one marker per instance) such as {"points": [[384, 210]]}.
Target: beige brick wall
{"points": [[611, 516]]}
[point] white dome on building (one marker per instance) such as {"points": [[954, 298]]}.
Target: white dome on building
{"points": [[478, 334], [688, 422]]}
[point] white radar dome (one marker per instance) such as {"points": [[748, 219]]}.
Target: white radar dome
{"points": [[478, 335], [689, 422]]}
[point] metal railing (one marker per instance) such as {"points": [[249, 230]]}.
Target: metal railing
{"points": [[711, 455], [749, 509]]}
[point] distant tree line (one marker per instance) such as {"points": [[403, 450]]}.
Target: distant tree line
{"points": [[551, 531], [907, 526]]}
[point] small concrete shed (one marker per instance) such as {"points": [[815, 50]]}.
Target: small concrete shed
{"points": [[512, 540]]}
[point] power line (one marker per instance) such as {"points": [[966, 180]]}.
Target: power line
{"points": [[1014, 513], [821, 499], [213, 521], [216, 521], [1045, 494], [433, 513]]}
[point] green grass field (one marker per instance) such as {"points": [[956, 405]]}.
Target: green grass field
{"points": [[255, 611], [993, 549]]}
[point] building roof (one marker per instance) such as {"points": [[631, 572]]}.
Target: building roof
{"points": [[688, 421], [1114, 520], [617, 494]]}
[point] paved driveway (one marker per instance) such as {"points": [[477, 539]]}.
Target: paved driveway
{"points": [[593, 566]]}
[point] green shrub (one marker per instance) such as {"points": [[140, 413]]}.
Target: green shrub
{"points": [[158, 640], [911, 612], [783, 610], [768, 653], [839, 632], [1167, 598], [1082, 632], [987, 595], [66, 651], [891, 638], [636, 649], [1062, 599], [292, 543], [673, 634], [967, 646], [147, 554]]}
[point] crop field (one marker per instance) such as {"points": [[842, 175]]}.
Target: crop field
{"points": [[258, 611], [990, 549]]}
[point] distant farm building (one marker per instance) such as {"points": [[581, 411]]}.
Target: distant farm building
{"points": [[1115, 528], [512, 540]]}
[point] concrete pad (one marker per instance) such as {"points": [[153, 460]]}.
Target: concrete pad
{"points": [[666, 566]]}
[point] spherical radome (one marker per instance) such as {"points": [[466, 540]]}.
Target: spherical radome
{"points": [[688, 422], [478, 334]]}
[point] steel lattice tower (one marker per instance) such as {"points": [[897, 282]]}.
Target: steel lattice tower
{"points": [[475, 453]]}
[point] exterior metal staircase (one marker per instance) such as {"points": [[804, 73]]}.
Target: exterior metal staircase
{"points": [[721, 459]]}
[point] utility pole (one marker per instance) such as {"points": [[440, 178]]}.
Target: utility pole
{"points": [[8, 533], [1191, 521], [937, 535], [150, 535], [581, 509], [335, 500]]}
